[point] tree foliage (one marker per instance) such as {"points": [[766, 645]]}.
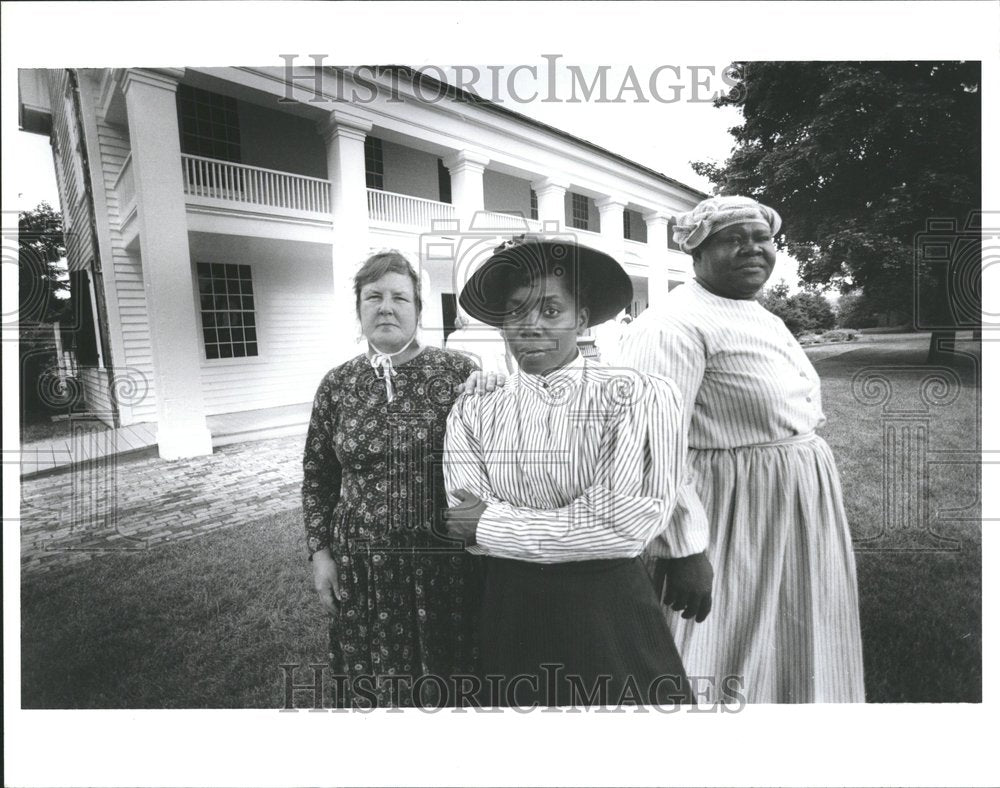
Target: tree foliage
{"points": [[853, 311], [40, 247], [802, 312], [857, 157]]}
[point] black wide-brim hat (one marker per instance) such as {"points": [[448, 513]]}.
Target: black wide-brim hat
{"points": [[608, 287]]}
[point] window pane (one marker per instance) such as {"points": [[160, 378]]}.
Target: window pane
{"points": [[226, 308]]}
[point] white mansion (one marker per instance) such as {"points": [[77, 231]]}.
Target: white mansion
{"points": [[216, 217]]}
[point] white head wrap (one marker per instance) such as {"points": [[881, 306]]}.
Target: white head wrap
{"points": [[711, 215]]}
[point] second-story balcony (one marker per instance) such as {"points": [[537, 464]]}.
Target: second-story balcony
{"points": [[224, 187], [224, 184], [239, 199], [404, 211]]}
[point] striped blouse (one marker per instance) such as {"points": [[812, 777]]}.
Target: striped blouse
{"points": [[585, 463], [744, 378]]}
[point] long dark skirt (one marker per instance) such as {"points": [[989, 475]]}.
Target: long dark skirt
{"points": [[575, 634]]}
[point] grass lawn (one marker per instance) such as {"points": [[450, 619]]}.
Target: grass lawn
{"points": [[44, 429], [206, 622], [203, 623], [921, 609]]}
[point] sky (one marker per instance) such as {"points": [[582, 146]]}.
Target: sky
{"points": [[35, 178]]}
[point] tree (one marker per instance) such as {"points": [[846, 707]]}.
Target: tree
{"points": [[857, 158], [803, 312], [853, 311], [40, 247]]}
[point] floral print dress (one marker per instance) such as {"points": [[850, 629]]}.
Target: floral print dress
{"points": [[372, 493]]}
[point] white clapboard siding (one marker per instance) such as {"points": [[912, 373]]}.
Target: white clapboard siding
{"points": [[95, 383], [123, 279], [293, 302]]}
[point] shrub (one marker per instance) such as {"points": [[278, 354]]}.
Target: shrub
{"points": [[840, 335]]}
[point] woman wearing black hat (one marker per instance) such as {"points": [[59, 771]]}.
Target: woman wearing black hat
{"points": [[562, 478]]}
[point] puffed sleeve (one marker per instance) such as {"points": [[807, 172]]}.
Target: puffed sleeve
{"points": [[321, 469]]}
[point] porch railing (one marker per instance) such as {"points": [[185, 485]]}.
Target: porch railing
{"points": [[495, 220], [402, 209], [224, 180]]}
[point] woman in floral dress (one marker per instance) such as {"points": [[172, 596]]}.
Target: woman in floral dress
{"points": [[403, 597]]}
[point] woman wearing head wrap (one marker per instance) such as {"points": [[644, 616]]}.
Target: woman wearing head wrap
{"points": [[785, 614], [562, 478]]}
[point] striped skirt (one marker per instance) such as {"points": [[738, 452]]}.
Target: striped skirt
{"points": [[575, 634], [784, 624]]}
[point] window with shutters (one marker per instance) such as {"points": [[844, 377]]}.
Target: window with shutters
{"points": [[374, 172], [580, 217]]}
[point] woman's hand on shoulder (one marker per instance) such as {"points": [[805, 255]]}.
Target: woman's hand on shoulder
{"points": [[480, 382]]}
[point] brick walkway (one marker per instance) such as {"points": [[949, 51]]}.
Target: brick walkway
{"points": [[137, 504]]}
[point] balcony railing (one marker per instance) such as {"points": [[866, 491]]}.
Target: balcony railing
{"points": [[125, 189], [402, 209], [495, 220], [223, 180]]}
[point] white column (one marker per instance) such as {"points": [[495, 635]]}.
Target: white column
{"points": [[657, 252], [612, 210], [344, 135], [150, 100], [551, 195], [467, 195]]}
